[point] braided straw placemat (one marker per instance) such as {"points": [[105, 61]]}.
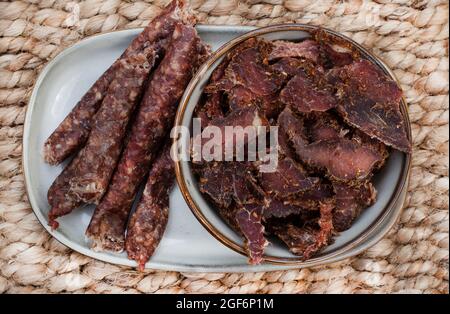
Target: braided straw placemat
{"points": [[410, 35]]}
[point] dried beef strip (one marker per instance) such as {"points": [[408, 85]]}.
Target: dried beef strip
{"points": [[249, 221], [304, 95], [370, 101], [149, 221], [335, 58], [290, 67], [216, 181], [246, 118], [279, 209], [307, 49], [74, 130], [307, 241], [334, 51], [344, 159], [289, 178], [248, 68], [150, 127], [225, 182], [88, 175], [212, 108], [324, 126], [311, 199], [365, 140], [350, 200]]}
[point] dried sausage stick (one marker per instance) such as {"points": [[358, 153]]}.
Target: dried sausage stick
{"points": [[148, 223], [87, 176], [74, 130], [151, 127]]}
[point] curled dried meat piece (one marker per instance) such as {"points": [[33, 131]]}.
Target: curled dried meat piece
{"points": [[365, 140], [279, 209], [74, 130], [311, 199], [307, 49], [343, 159], [248, 80], [334, 51], [225, 182], [87, 176], [303, 95], [370, 101], [350, 200], [150, 127], [250, 121], [249, 221], [307, 241], [324, 127], [149, 221], [247, 69], [289, 178], [216, 181], [290, 67], [336, 58], [212, 108]]}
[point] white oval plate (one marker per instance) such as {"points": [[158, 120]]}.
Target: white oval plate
{"points": [[186, 245]]}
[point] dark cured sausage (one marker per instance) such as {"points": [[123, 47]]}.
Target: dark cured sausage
{"points": [[148, 223], [87, 176], [151, 127], [74, 130]]}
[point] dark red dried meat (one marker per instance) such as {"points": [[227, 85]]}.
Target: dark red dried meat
{"points": [[289, 67], [350, 200], [335, 58], [249, 220], [303, 95], [247, 69], [150, 128], [279, 209], [323, 127], [344, 159], [307, 49], [249, 119], [335, 51], [307, 241], [370, 101], [87, 176], [149, 221], [74, 130], [311, 199], [289, 178]]}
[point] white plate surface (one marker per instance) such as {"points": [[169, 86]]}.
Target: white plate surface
{"points": [[186, 245]]}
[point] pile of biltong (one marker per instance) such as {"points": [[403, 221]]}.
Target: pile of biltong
{"points": [[337, 116]]}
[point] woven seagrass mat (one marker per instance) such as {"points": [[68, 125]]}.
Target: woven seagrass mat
{"points": [[410, 35]]}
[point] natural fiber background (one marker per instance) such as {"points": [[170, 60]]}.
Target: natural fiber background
{"points": [[410, 35]]}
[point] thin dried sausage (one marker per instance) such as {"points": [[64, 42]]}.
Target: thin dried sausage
{"points": [[87, 176], [74, 130], [148, 223], [151, 127]]}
